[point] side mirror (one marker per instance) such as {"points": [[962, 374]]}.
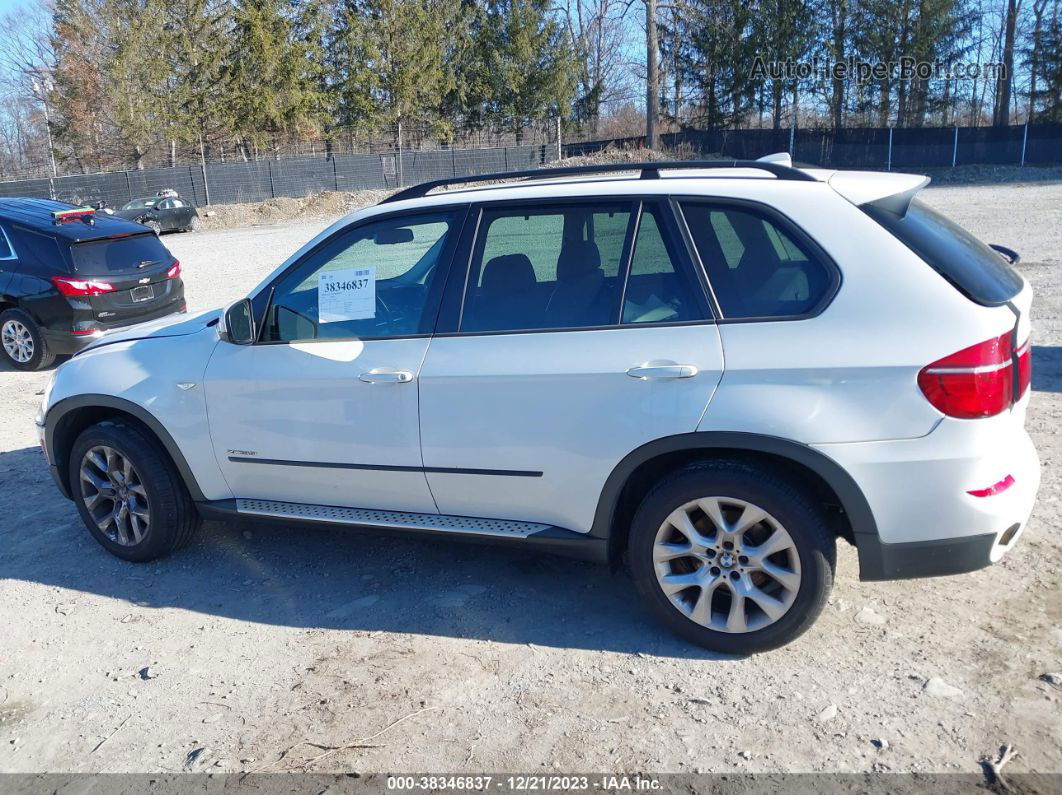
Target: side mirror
{"points": [[237, 324]]}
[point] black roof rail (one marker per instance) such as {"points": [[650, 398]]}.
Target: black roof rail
{"points": [[650, 170]]}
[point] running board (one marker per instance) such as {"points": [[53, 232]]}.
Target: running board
{"points": [[390, 519], [524, 535]]}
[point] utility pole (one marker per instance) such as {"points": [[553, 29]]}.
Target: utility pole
{"points": [[652, 76], [43, 90]]}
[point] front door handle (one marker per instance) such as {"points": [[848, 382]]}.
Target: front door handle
{"points": [[385, 375], [647, 371]]}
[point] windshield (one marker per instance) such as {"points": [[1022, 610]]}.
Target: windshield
{"points": [[140, 204], [118, 256], [972, 267]]}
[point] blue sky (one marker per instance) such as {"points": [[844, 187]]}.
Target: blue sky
{"points": [[7, 6]]}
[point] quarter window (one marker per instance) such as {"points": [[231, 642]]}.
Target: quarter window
{"points": [[755, 267], [372, 281], [546, 268]]}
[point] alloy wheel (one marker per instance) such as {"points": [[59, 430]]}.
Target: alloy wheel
{"points": [[726, 564], [114, 495], [17, 341]]}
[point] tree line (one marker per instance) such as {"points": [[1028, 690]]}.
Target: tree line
{"points": [[108, 84]]}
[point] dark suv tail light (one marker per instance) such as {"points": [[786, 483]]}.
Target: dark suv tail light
{"points": [[81, 287], [977, 381], [175, 270]]}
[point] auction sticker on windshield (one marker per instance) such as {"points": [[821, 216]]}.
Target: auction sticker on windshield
{"points": [[347, 294]]}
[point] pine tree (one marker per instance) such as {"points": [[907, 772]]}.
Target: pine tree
{"points": [[530, 61], [267, 90]]}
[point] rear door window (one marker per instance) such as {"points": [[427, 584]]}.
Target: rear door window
{"points": [[757, 267], [119, 256], [658, 289], [38, 255], [973, 268], [554, 267]]}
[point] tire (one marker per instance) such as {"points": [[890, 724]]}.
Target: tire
{"points": [[193, 225], [801, 574], [21, 342], [154, 226], [171, 517]]}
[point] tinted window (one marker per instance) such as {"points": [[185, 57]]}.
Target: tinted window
{"points": [[122, 255], [755, 267], [975, 269], [139, 204], [38, 254], [658, 291], [546, 268], [373, 281]]}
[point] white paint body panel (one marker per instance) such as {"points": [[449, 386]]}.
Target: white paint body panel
{"points": [[559, 403], [305, 402], [917, 488], [146, 372]]}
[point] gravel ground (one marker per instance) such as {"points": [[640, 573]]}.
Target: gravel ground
{"points": [[229, 655]]}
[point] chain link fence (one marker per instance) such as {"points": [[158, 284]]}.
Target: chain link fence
{"points": [[260, 180], [242, 181], [870, 148]]}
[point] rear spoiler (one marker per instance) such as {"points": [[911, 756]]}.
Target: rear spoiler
{"points": [[892, 192]]}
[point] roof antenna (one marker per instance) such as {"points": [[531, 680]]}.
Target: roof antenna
{"points": [[781, 158]]}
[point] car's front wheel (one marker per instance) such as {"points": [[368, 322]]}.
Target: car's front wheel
{"points": [[154, 226], [733, 557], [129, 494], [21, 341]]}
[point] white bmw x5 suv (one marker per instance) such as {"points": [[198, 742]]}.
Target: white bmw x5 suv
{"points": [[709, 372]]}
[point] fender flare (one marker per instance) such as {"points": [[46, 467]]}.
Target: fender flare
{"points": [[54, 419], [852, 500]]}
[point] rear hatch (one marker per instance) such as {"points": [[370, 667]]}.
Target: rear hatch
{"points": [[143, 276]]}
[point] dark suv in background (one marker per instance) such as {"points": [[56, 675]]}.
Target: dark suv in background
{"points": [[68, 274]]}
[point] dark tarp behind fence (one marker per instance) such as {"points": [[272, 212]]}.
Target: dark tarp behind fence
{"points": [[872, 148]]}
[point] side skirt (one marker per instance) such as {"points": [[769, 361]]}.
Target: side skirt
{"points": [[523, 535]]}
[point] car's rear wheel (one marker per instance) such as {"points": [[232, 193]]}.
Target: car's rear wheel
{"points": [[193, 225], [732, 557], [129, 494], [21, 341]]}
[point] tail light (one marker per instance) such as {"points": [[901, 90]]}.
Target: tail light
{"points": [[81, 287], [978, 381], [1024, 354], [175, 270]]}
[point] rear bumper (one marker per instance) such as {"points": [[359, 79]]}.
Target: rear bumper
{"points": [[928, 524], [61, 341]]}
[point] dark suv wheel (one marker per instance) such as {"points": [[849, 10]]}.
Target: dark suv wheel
{"points": [[732, 557], [21, 342], [128, 492]]}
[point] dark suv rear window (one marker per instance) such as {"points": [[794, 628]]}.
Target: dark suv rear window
{"points": [[977, 271], [120, 255]]}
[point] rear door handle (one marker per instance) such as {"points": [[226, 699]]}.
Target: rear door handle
{"points": [[386, 375], [647, 371]]}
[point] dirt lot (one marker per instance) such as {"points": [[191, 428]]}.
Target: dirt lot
{"points": [[228, 655]]}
